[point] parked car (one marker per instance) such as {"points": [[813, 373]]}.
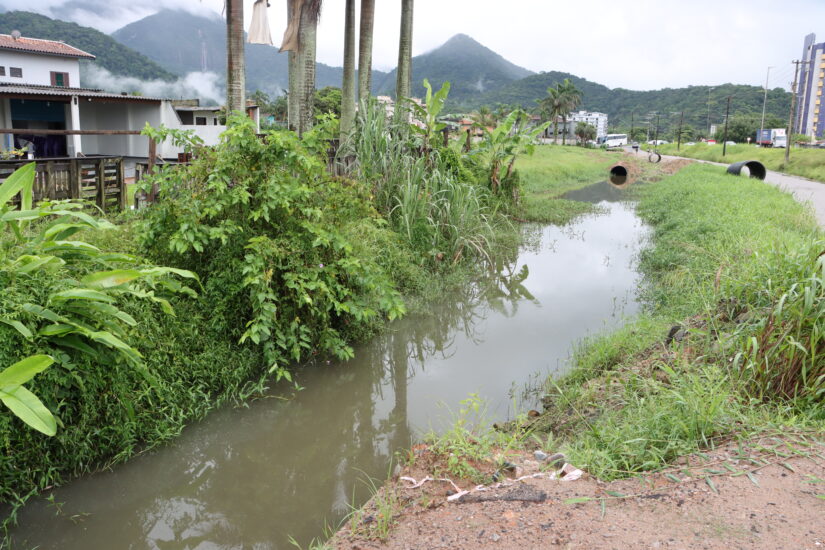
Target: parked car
{"points": [[690, 143], [657, 142], [730, 143]]}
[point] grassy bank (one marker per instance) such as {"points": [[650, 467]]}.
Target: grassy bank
{"points": [[731, 343], [553, 170], [808, 163]]}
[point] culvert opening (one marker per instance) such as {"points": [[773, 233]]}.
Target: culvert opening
{"points": [[751, 168], [618, 175]]}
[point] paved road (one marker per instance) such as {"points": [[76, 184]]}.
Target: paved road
{"points": [[802, 189]]}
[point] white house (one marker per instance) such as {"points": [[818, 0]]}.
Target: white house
{"points": [[40, 90]]}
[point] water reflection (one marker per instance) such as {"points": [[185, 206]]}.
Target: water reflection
{"points": [[249, 477]]}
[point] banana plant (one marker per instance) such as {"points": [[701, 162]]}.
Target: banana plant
{"points": [[503, 144], [81, 313], [429, 112], [20, 401]]}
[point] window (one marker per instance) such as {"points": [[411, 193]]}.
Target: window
{"points": [[215, 121], [186, 118], [60, 79], [2, 71], [16, 72], [200, 121]]}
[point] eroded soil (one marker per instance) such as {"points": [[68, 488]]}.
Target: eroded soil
{"points": [[763, 493]]}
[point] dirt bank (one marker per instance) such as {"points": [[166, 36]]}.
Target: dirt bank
{"points": [[763, 493]]}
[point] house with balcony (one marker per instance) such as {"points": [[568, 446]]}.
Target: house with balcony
{"points": [[40, 89]]}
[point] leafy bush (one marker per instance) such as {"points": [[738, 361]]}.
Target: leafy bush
{"points": [[265, 226]]}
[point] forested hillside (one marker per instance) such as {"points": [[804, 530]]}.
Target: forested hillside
{"points": [[698, 102], [471, 68], [111, 55]]}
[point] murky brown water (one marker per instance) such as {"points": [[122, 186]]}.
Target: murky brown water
{"points": [[250, 477]]}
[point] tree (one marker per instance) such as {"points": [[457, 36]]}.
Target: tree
{"points": [[571, 98], [365, 49], [484, 117], [328, 100], [310, 13], [404, 73], [552, 107], [348, 83], [585, 132], [235, 77]]}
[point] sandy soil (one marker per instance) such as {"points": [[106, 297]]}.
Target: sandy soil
{"points": [[763, 494]]}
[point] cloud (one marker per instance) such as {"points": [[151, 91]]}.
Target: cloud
{"points": [[206, 86]]}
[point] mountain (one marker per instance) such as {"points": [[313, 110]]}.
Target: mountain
{"points": [[182, 43], [620, 104], [111, 55], [471, 68]]}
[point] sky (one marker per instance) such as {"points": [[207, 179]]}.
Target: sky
{"points": [[636, 44]]}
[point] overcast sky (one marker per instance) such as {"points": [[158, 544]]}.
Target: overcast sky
{"points": [[636, 44]]}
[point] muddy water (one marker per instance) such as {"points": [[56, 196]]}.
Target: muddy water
{"points": [[250, 477]]}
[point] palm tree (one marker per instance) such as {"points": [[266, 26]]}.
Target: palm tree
{"points": [[571, 98], [310, 13], [404, 73], [484, 118], [299, 40], [235, 80], [348, 84], [365, 49], [552, 107]]}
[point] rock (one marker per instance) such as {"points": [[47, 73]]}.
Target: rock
{"points": [[541, 456], [557, 460], [495, 537]]}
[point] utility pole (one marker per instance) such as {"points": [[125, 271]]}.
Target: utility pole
{"points": [[656, 139], [790, 117], [631, 124], [764, 104], [727, 115], [709, 90], [679, 137]]}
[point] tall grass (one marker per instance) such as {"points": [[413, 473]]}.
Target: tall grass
{"points": [[421, 192], [739, 264]]}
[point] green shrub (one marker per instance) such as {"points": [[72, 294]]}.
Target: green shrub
{"points": [[266, 228]]}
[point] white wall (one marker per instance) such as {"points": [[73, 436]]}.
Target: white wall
{"points": [[37, 68], [117, 115], [209, 134]]}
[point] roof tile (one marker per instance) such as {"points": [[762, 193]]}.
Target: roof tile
{"points": [[37, 45]]}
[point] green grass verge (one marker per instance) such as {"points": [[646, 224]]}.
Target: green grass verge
{"points": [[808, 163], [554, 170], [737, 261]]}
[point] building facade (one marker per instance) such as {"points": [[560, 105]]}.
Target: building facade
{"points": [[40, 90], [597, 120], [808, 120]]}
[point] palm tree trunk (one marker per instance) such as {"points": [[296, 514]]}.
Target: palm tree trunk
{"points": [[235, 81], [348, 84], [403, 83], [564, 130], [309, 31], [293, 98], [365, 49]]}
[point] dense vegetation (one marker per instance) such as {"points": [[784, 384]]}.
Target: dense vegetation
{"points": [[272, 262], [737, 263], [808, 163], [111, 55]]}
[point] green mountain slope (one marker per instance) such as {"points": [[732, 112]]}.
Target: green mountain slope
{"points": [[111, 55], [471, 68], [182, 42], [620, 104]]}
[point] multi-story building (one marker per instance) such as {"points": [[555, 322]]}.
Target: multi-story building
{"points": [[808, 119], [597, 120]]}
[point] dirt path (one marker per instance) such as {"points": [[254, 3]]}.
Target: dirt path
{"points": [[736, 497]]}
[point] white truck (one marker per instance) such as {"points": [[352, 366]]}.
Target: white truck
{"points": [[775, 137]]}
